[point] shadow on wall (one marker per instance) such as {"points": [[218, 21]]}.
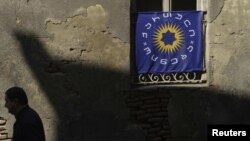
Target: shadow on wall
{"points": [[87, 99], [191, 110], [90, 106]]}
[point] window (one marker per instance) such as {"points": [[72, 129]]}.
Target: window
{"points": [[180, 5], [169, 79], [147, 5]]}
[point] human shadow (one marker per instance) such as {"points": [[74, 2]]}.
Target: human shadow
{"points": [[87, 99]]}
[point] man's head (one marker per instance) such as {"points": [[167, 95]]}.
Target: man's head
{"points": [[15, 99]]}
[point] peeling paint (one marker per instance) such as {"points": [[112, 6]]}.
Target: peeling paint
{"points": [[76, 38]]}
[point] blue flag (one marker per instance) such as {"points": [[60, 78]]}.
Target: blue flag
{"points": [[169, 42]]}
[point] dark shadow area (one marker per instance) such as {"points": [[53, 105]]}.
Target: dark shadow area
{"points": [[180, 5], [183, 114], [192, 110], [88, 100], [145, 5]]}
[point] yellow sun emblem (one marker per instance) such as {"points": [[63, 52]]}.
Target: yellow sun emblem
{"points": [[168, 38]]}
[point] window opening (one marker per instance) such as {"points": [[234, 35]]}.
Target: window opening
{"points": [[182, 5], [147, 5]]}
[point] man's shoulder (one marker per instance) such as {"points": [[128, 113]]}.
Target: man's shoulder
{"points": [[29, 115]]}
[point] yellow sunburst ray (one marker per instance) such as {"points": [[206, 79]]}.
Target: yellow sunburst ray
{"points": [[178, 35]]}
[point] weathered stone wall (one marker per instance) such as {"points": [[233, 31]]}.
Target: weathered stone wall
{"points": [[229, 34], [72, 58]]}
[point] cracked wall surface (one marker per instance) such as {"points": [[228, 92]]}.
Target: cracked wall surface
{"points": [[73, 60], [229, 44], [214, 9]]}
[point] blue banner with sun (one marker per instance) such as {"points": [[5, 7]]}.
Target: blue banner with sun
{"points": [[169, 42]]}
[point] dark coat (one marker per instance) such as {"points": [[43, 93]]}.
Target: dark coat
{"points": [[28, 126]]}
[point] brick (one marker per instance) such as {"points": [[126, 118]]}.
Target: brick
{"points": [[134, 104], [138, 112], [155, 129], [156, 139], [164, 96], [153, 110], [145, 126], [143, 117], [150, 101], [160, 114], [146, 106], [151, 135], [147, 97], [158, 119], [164, 132]]}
